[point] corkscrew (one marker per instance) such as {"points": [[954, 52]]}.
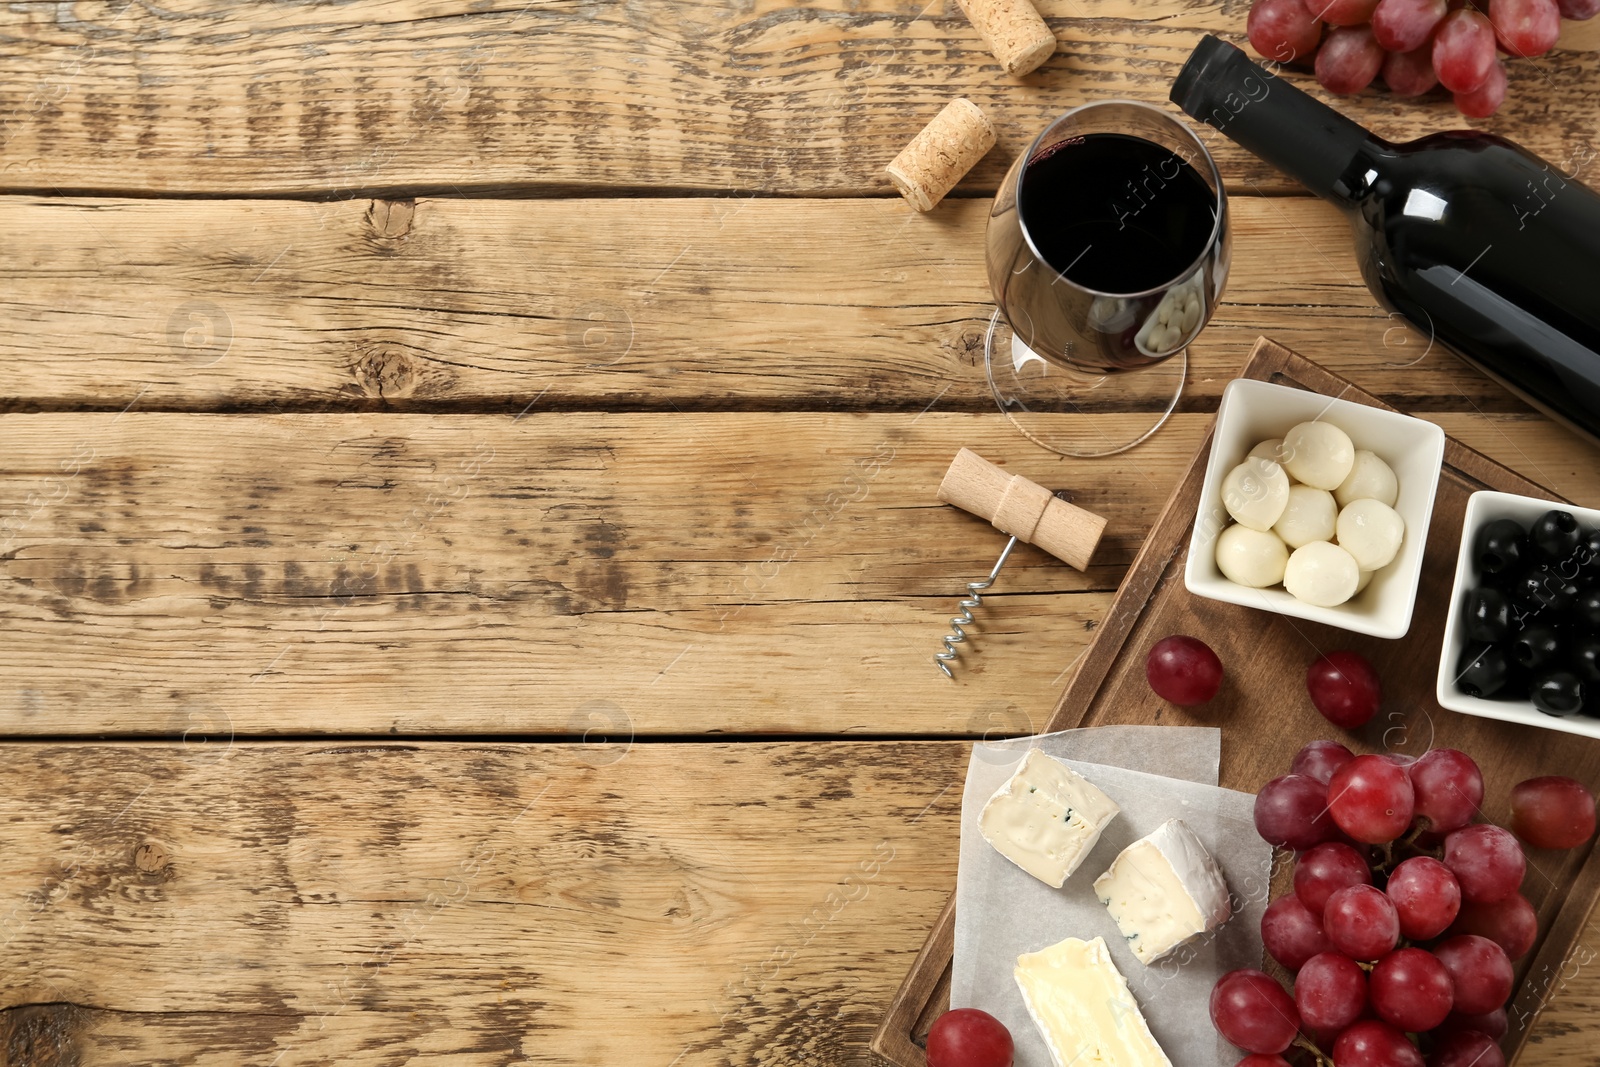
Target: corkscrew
{"points": [[1028, 512]]}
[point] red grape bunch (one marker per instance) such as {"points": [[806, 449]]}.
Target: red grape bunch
{"points": [[1405, 916], [1415, 44]]}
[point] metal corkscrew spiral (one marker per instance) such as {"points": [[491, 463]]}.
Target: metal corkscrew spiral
{"points": [[1025, 511], [974, 599]]}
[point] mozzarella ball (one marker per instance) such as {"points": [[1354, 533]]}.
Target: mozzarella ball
{"points": [[1309, 516], [1251, 557], [1321, 574], [1318, 454], [1371, 531], [1370, 478], [1255, 493], [1270, 449]]}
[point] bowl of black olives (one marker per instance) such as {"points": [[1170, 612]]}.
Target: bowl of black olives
{"points": [[1522, 642]]}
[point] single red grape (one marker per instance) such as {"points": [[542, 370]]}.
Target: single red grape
{"points": [[1361, 922], [1448, 788], [1183, 670], [1426, 897], [1406, 25], [1342, 12], [1371, 799], [1348, 60], [1292, 812], [1463, 50], [1263, 1059], [1371, 1043], [1344, 688], [1510, 923], [1480, 970], [1410, 73], [1525, 27], [1411, 990], [967, 1037], [1552, 812], [1486, 860], [1466, 1048], [1493, 1023], [1292, 933], [1486, 99], [1324, 870], [1330, 991], [1578, 10], [1283, 30], [1319, 759], [1251, 1010]]}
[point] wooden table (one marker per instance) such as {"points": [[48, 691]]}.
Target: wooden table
{"points": [[466, 492]]}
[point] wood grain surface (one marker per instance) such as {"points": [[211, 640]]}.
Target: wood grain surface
{"points": [[693, 304], [488, 574], [564, 371], [731, 95], [485, 904]]}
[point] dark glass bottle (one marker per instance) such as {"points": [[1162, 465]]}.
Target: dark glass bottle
{"points": [[1479, 243]]}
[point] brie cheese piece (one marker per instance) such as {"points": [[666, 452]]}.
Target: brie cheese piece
{"points": [[1081, 1005], [1163, 890], [1046, 818]]}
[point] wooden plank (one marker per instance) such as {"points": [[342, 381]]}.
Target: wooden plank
{"points": [[734, 572], [670, 305], [425, 95], [1266, 655], [302, 904], [695, 904]]}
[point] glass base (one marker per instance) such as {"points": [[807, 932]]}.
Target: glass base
{"points": [[1073, 413]]}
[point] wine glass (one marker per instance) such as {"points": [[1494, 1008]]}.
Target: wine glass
{"points": [[1107, 249]]}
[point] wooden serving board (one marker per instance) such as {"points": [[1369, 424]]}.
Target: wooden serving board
{"points": [[1266, 716]]}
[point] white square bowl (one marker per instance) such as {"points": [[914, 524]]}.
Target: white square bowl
{"points": [[1485, 507], [1255, 411]]}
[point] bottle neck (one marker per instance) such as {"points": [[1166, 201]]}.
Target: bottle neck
{"points": [[1261, 112]]}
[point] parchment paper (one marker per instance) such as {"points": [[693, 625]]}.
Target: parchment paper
{"points": [[1154, 773]]}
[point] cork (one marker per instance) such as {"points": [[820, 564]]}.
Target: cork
{"points": [[941, 154], [1014, 32], [1027, 511]]}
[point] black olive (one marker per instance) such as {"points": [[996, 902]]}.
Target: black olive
{"points": [[1585, 658], [1587, 555], [1483, 670], [1488, 615], [1537, 645], [1499, 547], [1558, 693], [1555, 535], [1544, 590], [1586, 612]]}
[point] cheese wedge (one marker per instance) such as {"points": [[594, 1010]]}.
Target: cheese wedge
{"points": [[1046, 818], [1164, 890], [1081, 1005]]}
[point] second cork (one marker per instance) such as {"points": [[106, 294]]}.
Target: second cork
{"points": [[1014, 31]]}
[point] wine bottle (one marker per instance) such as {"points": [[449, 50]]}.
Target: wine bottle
{"points": [[1479, 243]]}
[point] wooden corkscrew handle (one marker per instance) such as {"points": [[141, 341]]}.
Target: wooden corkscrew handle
{"points": [[1025, 510]]}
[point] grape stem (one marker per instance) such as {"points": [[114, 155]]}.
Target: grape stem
{"points": [[1322, 1060]]}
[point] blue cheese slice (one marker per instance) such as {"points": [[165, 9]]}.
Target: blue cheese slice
{"points": [[1163, 890], [1081, 1005], [1046, 818]]}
